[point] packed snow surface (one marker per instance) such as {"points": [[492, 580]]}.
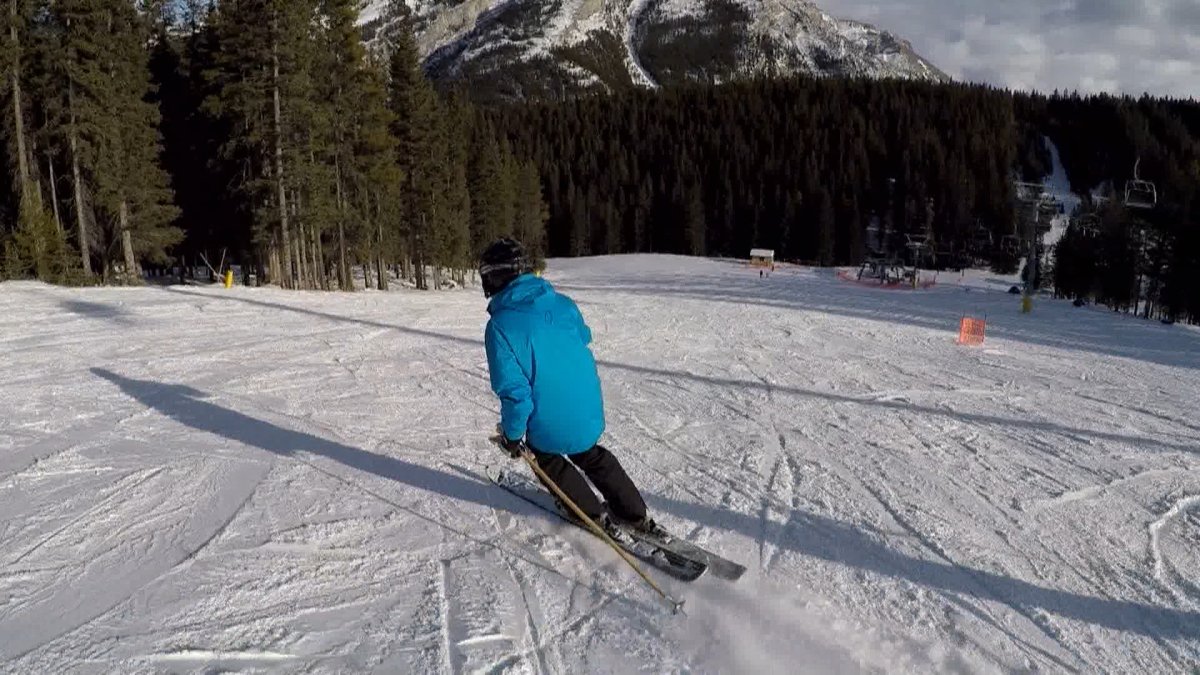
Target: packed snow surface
{"points": [[208, 480]]}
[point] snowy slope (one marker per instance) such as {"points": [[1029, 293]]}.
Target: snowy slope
{"points": [[194, 479], [521, 48]]}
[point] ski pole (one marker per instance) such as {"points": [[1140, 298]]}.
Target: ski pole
{"points": [[676, 605]]}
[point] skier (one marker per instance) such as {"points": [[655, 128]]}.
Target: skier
{"points": [[550, 400]]}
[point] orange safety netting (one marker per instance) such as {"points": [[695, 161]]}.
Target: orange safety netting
{"points": [[971, 331]]}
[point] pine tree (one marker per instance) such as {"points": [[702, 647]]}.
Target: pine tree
{"points": [[37, 247], [856, 248], [491, 183], [40, 66], [262, 90], [531, 212], [110, 128], [85, 82], [420, 150], [1117, 270], [376, 154], [694, 221], [580, 238], [1074, 269], [37, 250], [16, 16], [641, 214], [460, 118], [183, 65], [826, 223], [129, 177], [360, 148]]}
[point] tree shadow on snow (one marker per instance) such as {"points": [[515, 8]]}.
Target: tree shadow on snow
{"points": [[826, 539]]}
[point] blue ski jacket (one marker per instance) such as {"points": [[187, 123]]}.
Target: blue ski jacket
{"points": [[542, 369]]}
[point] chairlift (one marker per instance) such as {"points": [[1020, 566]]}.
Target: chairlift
{"points": [[1140, 194], [981, 238], [1049, 206], [872, 269], [1029, 192], [1089, 225], [1011, 244], [884, 271]]}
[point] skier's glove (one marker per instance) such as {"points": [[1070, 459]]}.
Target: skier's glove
{"points": [[514, 448]]}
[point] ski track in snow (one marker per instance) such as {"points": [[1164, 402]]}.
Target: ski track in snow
{"points": [[301, 489], [1155, 529]]}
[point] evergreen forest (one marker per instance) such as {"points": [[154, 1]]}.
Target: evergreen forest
{"points": [[154, 136]]}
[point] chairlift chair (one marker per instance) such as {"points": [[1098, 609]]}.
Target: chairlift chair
{"points": [[1140, 194], [871, 269], [1089, 225], [981, 239], [918, 244], [1028, 192]]}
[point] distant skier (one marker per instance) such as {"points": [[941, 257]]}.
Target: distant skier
{"points": [[550, 400]]}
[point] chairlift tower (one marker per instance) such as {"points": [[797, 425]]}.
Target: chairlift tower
{"points": [[1037, 208]]}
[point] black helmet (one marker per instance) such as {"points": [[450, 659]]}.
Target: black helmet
{"points": [[502, 261]]}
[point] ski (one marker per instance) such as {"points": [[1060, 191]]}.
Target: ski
{"points": [[720, 567], [659, 557]]}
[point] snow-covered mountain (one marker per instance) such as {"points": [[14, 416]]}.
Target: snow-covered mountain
{"points": [[522, 48]]}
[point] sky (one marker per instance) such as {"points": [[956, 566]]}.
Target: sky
{"points": [[1114, 46]]}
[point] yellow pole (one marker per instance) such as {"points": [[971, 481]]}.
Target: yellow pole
{"points": [[228, 278]]}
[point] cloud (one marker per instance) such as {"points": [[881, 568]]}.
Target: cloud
{"points": [[1114, 46]]}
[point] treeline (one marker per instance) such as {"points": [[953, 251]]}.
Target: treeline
{"points": [[802, 166], [264, 133], [1132, 259], [142, 134], [830, 170], [82, 141]]}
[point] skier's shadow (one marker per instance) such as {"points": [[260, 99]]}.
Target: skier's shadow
{"points": [[96, 310], [188, 407]]}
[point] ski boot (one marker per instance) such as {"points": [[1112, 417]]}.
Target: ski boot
{"points": [[614, 530], [606, 522], [649, 528]]}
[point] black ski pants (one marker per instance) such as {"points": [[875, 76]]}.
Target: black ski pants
{"points": [[602, 468]]}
